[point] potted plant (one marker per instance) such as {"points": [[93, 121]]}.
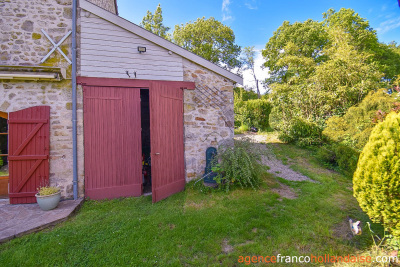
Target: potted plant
{"points": [[48, 197]]}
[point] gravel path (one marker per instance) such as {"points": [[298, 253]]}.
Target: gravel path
{"points": [[276, 166]]}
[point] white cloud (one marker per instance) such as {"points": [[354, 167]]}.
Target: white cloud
{"points": [[251, 4], [225, 5], [384, 7], [261, 73], [226, 17], [226, 11], [388, 25]]}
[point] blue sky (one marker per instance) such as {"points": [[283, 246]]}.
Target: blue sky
{"points": [[254, 21]]}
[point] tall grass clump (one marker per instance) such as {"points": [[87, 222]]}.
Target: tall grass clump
{"points": [[238, 165]]}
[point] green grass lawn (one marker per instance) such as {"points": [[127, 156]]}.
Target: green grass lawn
{"points": [[196, 229]]}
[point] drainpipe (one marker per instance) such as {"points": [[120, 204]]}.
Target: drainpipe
{"points": [[74, 120]]}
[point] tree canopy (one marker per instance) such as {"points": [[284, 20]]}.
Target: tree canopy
{"points": [[209, 39], [154, 23], [320, 69]]}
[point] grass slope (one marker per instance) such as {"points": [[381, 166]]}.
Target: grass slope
{"points": [[196, 229]]}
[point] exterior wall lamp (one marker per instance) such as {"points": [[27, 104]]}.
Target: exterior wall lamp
{"points": [[141, 49]]}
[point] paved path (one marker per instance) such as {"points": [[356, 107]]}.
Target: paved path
{"points": [[22, 219]]}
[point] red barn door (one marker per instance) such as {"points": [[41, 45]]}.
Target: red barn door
{"points": [[112, 139], [29, 143], [166, 134]]}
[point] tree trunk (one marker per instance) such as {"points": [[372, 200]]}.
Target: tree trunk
{"points": [[257, 87]]}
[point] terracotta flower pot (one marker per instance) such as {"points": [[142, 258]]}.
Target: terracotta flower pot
{"points": [[48, 202]]}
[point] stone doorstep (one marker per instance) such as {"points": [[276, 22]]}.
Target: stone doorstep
{"points": [[29, 218]]}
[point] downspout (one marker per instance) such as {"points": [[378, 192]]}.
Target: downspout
{"points": [[74, 120]]}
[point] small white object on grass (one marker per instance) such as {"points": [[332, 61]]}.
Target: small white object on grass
{"points": [[355, 227]]}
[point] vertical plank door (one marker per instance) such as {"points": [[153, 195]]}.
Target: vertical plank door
{"points": [[167, 144], [112, 140], [29, 146]]}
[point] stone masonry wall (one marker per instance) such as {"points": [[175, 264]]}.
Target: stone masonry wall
{"points": [[109, 5], [23, 44], [205, 125]]}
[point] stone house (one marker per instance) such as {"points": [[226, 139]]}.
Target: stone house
{"points": [[136, 114]]}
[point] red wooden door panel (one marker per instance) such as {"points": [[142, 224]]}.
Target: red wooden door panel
{"points": [[28, 149], [166, 134], [112, 139]]}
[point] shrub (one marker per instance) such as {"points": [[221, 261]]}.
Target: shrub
{"points": [[254, 112], [244, 128], [251, 111], [238, 165], [243, 95], [376, 181], [339, 156], [237, 106], [301, 132], [355, 126]]}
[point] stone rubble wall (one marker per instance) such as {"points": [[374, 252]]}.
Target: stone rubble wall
{"points": [[23, 44], [21, 39], [205, 125]]}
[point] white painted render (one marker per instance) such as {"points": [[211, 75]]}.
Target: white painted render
{"points": [[109, 51]]}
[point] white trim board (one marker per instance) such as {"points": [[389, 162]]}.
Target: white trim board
{"points": [[131, 27]]}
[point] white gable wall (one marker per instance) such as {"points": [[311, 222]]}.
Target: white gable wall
{"points": [[109, 51]]}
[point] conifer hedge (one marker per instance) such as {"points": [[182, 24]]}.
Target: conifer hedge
{"points": [[376, 181]]}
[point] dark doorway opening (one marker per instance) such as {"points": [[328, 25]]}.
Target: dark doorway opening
{"points": [[146, 158], [4, 174]]}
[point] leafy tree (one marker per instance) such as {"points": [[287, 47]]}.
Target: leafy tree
{"points": [[294, 50], [364, 39], [362, 36], [320, 69], [154, 23], [388, 56], [346, 78], [248, 61], [209, 39], [396, 82]]}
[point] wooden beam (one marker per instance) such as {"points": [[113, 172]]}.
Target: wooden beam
{"points": [[133, 83]]}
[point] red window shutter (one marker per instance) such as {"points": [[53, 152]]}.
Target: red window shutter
{"points": [[28, 146]]}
